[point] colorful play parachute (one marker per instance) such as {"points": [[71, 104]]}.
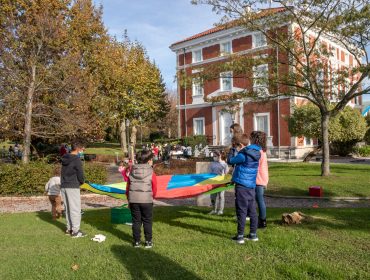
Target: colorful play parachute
{"points": [[171, 186]]}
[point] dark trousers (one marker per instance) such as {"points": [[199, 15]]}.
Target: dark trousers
{"points": [[142, 213], [245, 205]]}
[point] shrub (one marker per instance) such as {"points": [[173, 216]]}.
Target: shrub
{"points": [[195, 140], [96, 173], [30, 179], [157, 135], [363, 151]]}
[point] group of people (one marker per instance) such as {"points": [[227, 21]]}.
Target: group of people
{"points": [[249, 169], [246, 160], [13, 152]]}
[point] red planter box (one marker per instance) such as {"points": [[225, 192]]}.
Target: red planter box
{"points": [[315, 191]]}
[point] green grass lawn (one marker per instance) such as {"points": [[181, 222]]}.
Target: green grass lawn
{"points": [[188, 244], [346, 180], [105, 148]]}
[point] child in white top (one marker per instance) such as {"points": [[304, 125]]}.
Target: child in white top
{"points": [[219, 167], [52, 189]]}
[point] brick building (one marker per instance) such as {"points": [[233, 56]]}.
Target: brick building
{"points": [[198, 116]]}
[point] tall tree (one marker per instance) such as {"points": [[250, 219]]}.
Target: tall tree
{"points": [[345, 129], [169, 123], [301, 62], [133, 86], [46, 69]]}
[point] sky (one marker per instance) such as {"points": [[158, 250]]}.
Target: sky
{"points": [[157, 24]]}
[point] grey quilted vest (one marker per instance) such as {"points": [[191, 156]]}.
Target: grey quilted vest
{"points": [[141, 184]]}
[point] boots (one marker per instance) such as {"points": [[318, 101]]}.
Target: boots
{"points": [[262, 223]]}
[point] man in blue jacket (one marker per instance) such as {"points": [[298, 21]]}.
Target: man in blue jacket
{"points": [[244, 176]]}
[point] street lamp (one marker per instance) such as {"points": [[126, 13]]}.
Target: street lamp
{"points": [[128, 137], [141, 130]]}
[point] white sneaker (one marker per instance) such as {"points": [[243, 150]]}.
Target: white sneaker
{"points": [[78, 234], [213, 212], [220, 213]]}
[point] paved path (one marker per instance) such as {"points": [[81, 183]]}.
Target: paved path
{"points": [[41, 203]]}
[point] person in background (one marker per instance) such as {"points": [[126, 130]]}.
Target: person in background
{"points": [[125, 169], [141, 189], [219, 167], [11, 152], [72, 177], [63, 150], [236, 130], [52, 189], [16, 150], [3, 152], [262, 177], [155, 151]]}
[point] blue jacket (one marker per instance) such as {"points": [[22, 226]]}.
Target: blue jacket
{"points": [[246, 165]]}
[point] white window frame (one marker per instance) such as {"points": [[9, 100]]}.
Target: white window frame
{"points": [[254, 40], [204, 125], [266, 87], [193, 56], [346, 58], [221, 81], [195, 83], [222, 53], [308, 145], [255, 115]]}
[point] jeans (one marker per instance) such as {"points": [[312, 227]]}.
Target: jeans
{"points": [[142, 214], [261, 202], [245, 204], [218, 199]]}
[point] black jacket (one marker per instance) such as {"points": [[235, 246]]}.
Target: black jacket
{"points": [[72, 173]]}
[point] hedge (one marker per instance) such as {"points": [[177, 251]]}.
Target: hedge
{"points": [[30, 179], [363, 151]]}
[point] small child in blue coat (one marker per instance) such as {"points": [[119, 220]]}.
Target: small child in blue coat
{"points": [[244, 176]]}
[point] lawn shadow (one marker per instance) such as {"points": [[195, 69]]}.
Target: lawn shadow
{"points": [[102, 223], [339, 220], [147, 264], [294, 191], [46, 217], [174, 217], [141, 264], [319, 219], [167, 215]]}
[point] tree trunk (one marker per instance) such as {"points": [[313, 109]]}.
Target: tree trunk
{"points": [[325, 164], [133, 141], [123, 137], [28, 118]]}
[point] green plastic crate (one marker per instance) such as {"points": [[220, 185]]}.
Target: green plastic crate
{"points": [[121, 215]]}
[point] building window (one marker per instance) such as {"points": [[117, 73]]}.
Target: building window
{"points": [[226, 81], [225, 48], [262, 122], [259, 40], [197, 87], [308, 141], [357, 100], [198, 126], [260, 79], [197, 56]]}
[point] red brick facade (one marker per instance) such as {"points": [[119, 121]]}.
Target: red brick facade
{"points": [[251, 115]]}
